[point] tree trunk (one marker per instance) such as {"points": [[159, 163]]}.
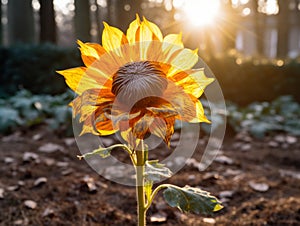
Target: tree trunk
{"points": [[121, 13], [20, 22], [1, 34], [47, 21], [259, 24], [283, 25], [82, 20]]}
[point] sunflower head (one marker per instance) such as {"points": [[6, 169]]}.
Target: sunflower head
{"points": [[136, 83]]}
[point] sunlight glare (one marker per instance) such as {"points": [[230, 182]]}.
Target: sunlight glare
{"points": [[64, 6], [199, 12]]}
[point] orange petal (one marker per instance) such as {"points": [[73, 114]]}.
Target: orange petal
{"points": [[112, 38], [163, 128], [105, 128], [181, 102], [141, 127], [90, 52]]}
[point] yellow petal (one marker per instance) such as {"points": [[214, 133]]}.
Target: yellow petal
{"points": [[112, 38], [77, 79], [200, 117], [131, 31], [90, 52], [182, 59], [156, 32], [174, 39], [195, 82]]}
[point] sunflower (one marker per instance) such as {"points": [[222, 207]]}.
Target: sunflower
{"points": [[136, 83]]}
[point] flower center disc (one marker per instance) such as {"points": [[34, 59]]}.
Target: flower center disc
{"points": [[138, 80]]}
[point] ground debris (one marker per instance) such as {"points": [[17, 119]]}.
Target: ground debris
{"points": [[51, 147], [30, 204], [261, 187], [159, 217], [224, 160], [38, 182], [31, 156], [1, 193], [90, 183]]}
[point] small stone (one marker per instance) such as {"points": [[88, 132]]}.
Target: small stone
{"points": [[37, 136], [231, 172], [246, 147], [1, 193], [261, 187], [291, 139], [21, 222], [224, 159], [289, 173], [273, 144], [226, 194], [159, 217], [8, 160], [48, 212], [50, 148], [49, 161], [90, 182], [66, 172], [62, 164], [15, 137], [30, 204], [30, 156], [237, 145], [13, 188], [209, 220], [21, 183], [191, 177], [69, 141], [279, 138], [40, 181]]}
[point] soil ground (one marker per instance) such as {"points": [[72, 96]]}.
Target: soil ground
{"points": [[258, 181]]}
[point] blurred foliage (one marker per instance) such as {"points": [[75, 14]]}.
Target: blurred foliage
{"points": [[33, 67], [255, 79], [262, 118], [25, 110]]}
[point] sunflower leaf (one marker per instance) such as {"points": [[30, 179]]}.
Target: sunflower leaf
{"points": [[189, 199], [104, 152], [155, 171]]}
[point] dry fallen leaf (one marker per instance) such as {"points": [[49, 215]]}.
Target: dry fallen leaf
{"points": [[30, 204], [261, 187]]}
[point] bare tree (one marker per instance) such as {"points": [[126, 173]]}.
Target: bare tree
{"points": [[82, 20], [20, 22], [47, 21], [283, 24]]}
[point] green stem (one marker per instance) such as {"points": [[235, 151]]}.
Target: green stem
{"points": [[140, 189]]}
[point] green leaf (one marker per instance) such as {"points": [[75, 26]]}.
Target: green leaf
{"points": [[155, 171], [189, 199]]}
